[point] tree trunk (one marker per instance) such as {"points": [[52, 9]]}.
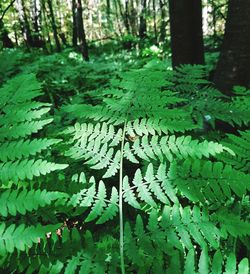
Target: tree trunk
{"points": [[126, 16], [186, 32], [155, 24], [143, 21], [74, 27], [108, 11], [234, 62], [53, 25], [45, 27], [4, 36], [81, 32], [23, 19], [163, 27], [36, 21]]}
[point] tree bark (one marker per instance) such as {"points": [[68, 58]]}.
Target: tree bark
{"points": [[23, 19], [234, 61], [36, 21], [4, 36], [143, 21], [186, 32], [45, 27], [81, 32], [74, 27], [163, 26], [53, 25], [155, 23]]}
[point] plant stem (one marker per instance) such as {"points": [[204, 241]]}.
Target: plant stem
{"points": [[121, 201]]}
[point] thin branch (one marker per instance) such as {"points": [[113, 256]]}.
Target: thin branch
{"points": [[11, 3]]}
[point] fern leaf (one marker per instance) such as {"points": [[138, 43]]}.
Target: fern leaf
{"points": [[24, 148], [13, 201], [27, 169], [129, 195], [142, 189], [112, 208]]}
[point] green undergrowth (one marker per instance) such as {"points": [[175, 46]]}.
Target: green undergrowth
{"points": [[122, 165]]}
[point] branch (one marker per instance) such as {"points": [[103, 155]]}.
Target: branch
{"points": [[11, 3]]}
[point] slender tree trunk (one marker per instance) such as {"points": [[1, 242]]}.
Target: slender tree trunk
{"points": [[155, 24], [45, 27], [36, 21], [234, 62], [81, 32], [133, 18], [186, 32], [126, 16], [163, 27], [117, 17], [143, 22], [53, 25], [23, 19], [74, 27], [108, 11]]}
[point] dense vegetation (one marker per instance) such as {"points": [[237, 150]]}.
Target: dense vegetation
{"points": [[123, 155]]}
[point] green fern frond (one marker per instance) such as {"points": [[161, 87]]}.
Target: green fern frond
{"points": [[25, 87], [27, 169], [102, 208], [241, 146], [21, 237], [14, 201], [156, 185], [24, 148], [207, 181], [168, 147], [216, 265]]}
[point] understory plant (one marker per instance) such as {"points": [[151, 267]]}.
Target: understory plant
{"points": [[127, 179]]}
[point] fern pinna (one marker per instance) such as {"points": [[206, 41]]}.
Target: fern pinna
{"points": [[144, 191]]}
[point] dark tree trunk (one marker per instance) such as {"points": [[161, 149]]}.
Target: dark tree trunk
{"points": [[108, 10], [53, 25], [234, 62], [36, 20], [45, 27], [126, 16], [143, 21], [186, 32], [4, 36], [81, 32], [74, 27], [23, 19]]}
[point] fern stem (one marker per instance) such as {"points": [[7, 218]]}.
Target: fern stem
{"points": [[121, 201]]}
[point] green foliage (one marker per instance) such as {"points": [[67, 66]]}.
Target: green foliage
{"points": [[136, 148]]}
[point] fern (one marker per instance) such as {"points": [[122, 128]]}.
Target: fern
{"points": [[171, 165], [132, 149]]}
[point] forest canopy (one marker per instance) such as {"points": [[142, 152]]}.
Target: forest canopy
{"points": [[124, 136]]}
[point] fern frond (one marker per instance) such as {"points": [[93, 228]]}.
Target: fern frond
{"points": [[216, 265], [25, 87], [14, 201], [207, 181], [24, 148], [21, 237], [156, 185], [27, 169], [102, 208], [166, 148], [241, 146], [97, 147]]}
